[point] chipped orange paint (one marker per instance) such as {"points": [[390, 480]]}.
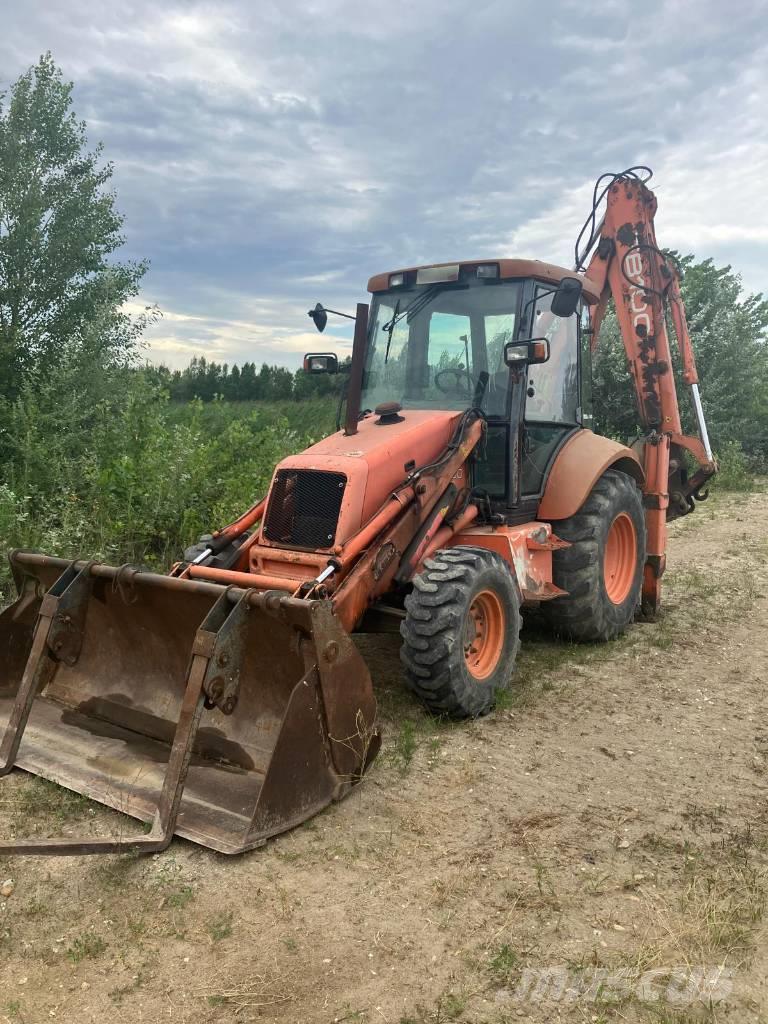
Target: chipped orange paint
{"points": [[527, 550]]}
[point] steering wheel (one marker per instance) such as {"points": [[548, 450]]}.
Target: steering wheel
{"points": [[462, 382]]}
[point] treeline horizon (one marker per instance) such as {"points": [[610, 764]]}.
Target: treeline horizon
{"points": [[206, 380]]}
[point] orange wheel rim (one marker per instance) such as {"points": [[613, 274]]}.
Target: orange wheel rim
{"points": [[620, 560], [484, 634]]}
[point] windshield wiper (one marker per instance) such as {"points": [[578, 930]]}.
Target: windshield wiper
{"points": [[389, 328], [412, 308]]}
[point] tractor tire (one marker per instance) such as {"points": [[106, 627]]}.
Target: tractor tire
{"points": [[602, 570], [461, 631]]}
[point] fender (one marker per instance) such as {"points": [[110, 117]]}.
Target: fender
{"points": [[578, 466]]}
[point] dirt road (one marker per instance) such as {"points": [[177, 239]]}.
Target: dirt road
{"points": [[609, 825]]}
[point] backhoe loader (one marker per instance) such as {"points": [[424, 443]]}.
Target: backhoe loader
{"points": [[226, 702]]}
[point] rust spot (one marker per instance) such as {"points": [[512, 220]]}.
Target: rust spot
{"points": [[626, 234], [532, 586], [605, 247], [384, 558], [647, 348]]}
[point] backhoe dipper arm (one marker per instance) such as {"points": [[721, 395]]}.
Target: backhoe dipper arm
{"points": [[629, 266]]}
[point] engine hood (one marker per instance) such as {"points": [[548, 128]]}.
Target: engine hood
{"points": [[372, 463]]}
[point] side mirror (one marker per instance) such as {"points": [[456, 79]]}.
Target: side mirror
{"points": [[321, 362], [565, 301], [319, 317], [526, 353]]}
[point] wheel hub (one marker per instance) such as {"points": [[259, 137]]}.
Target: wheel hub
{"points": [[484, 634], [620, 560]]}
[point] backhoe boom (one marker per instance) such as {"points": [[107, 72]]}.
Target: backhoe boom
{"points": [[629, 267]]}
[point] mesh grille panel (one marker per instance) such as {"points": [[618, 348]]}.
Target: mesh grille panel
{"points": [[304, 507]]}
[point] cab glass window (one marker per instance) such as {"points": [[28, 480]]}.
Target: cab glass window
{"points": [[553, 387]]}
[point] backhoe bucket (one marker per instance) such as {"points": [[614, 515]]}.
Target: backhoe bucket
{"points": [[221, 714]]}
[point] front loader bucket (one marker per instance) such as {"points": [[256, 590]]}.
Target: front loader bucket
{"points": [[220, 714]]}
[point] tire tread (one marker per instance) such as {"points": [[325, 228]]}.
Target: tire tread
{"points": [[432, 651]]}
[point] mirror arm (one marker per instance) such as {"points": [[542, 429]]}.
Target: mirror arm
{"points": [[549, 291], [530, 302], [336, 312]]}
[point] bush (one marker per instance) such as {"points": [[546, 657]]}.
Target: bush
{"points": [[734, 470], [120, 474]]}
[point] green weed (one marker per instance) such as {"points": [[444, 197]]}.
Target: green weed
{"points": [[113, 871], [504, 963], [86, 946], [403, 747], [37, 799], [180, 898], [220, 926], [118, 994], [452, 1005]]}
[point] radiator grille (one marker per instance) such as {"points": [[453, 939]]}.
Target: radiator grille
{"points": [[304, 507]]}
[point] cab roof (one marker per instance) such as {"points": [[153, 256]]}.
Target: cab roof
{"points": [[549, 273]]}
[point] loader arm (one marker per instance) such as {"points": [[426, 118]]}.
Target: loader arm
{"points": [[629, 267]]}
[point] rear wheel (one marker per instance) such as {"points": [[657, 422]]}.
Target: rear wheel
{"points": [[602, 570], [461, 631]]}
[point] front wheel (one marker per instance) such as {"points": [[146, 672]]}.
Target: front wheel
{"points": [[461, 631], [602, 570]]}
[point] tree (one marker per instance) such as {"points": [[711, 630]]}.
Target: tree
{"points": [[248, 382], [233, 384], [282, 383], [60, 287], [728, 333]]}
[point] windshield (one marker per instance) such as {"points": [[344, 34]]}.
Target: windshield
{"points": [[429, 346]]}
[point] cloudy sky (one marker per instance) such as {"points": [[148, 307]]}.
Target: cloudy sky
{"points": [[269, 155]]}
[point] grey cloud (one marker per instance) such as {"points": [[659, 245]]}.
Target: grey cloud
{"points": [[269, 154]]}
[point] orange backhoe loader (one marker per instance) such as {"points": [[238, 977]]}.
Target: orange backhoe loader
{"points": [[226, 701]]}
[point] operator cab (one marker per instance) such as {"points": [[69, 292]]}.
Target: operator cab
{"points": [[439, 338]]}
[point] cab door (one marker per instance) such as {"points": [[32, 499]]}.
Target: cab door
{"points": [[554, 405], [556, 402]]}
